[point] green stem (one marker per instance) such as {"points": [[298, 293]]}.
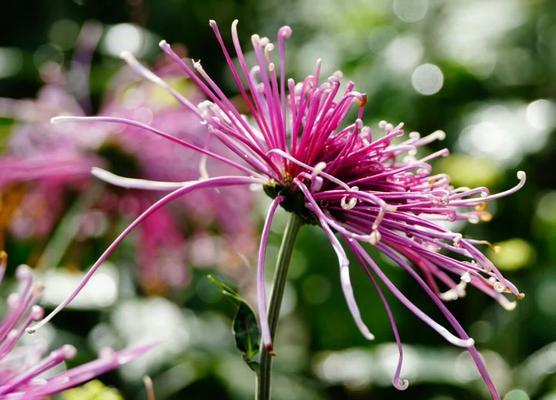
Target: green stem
{"points": [[282, 264]]}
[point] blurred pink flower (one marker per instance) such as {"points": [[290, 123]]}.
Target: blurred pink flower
{"points": [[47, 164], [23, 366]]}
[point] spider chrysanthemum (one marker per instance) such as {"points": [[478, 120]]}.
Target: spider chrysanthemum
{"points": [[361, 187]]}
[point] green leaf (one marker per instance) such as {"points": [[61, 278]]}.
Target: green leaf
{"points": [[245, 327]]}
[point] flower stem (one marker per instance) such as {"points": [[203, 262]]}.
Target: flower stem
{"points": [[282, 264]]}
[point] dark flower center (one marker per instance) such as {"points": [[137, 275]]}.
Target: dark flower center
{"points": [[294, 201]]}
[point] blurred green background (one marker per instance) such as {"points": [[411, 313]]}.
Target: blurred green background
{"points": [[483, 71]]}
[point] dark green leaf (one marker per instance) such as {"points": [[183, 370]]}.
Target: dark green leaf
{"points": [[245, 328]]}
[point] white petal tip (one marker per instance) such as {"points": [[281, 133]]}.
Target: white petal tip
{"points": [[369, 336], [58, 120], [521, 175], [126, 55], [506, 304], [468, 342], [69, 351], [99, 172], [163, 43], [440, 135], [285, 31], [401, 384]]}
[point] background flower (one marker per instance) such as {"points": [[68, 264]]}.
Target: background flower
{"points": [[26, 371], [45, 169]]}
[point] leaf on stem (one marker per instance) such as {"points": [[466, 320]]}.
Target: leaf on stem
{"points": [[244, 327]]}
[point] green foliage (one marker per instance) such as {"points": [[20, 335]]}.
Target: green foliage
{"points": [[245, 328]]}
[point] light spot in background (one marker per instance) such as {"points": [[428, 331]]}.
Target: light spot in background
{"points": [[505, 132], [516, 394], [465, 170], [151, 320], [462, 373], [410, 10], [289, 302], [546, 209], [92, 224], [64, 33], [204, 250], [100, 292], [124, 37], [471, 31], [92, 390], [534, 370], [318, 47], [316, 288], [350, 368], [512, 254], [540, 114], [490, 138], [481, 331], [10, 62], [48, 53], [537, 367], [427, 79], [298, 265], [403, 53], [357, 368]]}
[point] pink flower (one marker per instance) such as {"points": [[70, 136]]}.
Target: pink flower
{"points": [[47, 164], [360, 187], [22, 367]]}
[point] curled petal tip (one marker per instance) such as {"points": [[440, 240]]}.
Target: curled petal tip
{"points": [[440, 135], [401, 384], [212, 23], [24, 272], [163, 44], [69, 351], [37, 312], [285, 31], [521, 175]]}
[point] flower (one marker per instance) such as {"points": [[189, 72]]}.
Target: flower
{"points": [[23, 366], [45, 166], [360, 187]]}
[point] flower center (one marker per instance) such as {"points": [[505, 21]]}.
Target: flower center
{"points": [[294, 200]]}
